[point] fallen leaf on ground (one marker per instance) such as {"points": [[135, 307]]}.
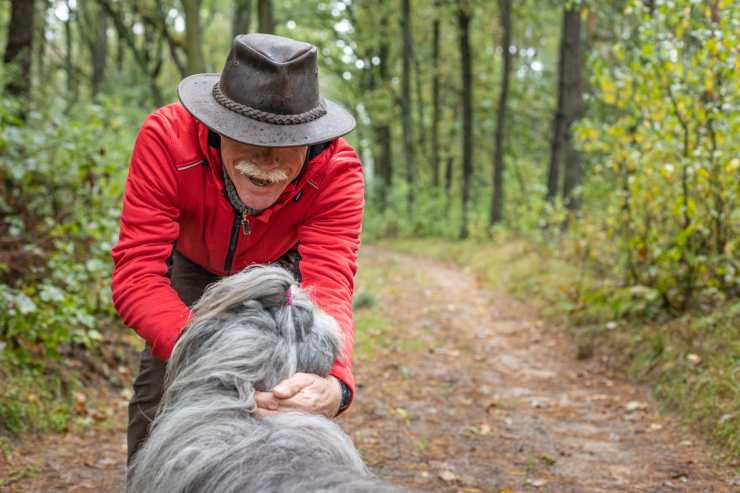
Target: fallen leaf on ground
{"points": [[547, 459], [448, 476], [633, 406], [537, 483], [80, 405], [694, 359]]}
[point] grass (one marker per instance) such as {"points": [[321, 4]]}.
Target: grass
{"points": [[27, 472], [32, 400], [374, 333], [691, 361]]}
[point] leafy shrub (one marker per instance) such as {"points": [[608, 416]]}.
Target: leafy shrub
{"points": [[63, 175], [669, 149]]}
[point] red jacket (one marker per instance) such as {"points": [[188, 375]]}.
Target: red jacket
{"points": [[175, 196]]}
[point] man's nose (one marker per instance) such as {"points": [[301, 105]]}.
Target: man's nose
{"points": [[268, 159]]}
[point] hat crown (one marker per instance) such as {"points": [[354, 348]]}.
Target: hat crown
{"points": [[272, 74]]}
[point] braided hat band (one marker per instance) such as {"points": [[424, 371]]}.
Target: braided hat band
{"points": [[265, 116]]}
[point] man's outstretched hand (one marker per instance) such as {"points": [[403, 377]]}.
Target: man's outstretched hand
{"points": [[302, 392]]}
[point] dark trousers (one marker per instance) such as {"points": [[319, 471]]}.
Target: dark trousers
{"points": [[189, 280]]}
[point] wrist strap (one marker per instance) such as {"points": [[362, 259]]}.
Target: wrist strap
{"points": [[346, 397]]}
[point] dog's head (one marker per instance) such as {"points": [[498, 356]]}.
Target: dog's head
{"points": [[256, 327]]}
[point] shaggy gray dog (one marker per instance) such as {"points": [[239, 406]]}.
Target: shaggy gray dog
{"points": [[248, 332]]}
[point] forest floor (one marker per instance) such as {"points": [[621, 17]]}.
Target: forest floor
{"points": [[459, 389]]}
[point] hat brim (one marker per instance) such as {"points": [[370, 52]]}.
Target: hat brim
{"points": [[195, 93]]}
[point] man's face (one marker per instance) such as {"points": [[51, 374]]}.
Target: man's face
{"points": [[260, 174]]}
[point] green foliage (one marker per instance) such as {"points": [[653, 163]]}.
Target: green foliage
{"points": [[63, 176], [663, 135], [32, 400]]}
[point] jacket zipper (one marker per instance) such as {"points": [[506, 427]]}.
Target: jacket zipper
{"points": [[240, 221]]}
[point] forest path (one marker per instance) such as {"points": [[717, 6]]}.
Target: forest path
{"points": [[471, 392], [461, 390]]}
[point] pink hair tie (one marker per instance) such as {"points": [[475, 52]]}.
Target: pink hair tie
{"points": [[289, 296]]}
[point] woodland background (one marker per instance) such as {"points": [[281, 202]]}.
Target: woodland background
{"points": [[581, 154]]}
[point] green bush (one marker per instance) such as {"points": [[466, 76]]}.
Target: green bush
{"points": [[665, 139], [63, 175]]}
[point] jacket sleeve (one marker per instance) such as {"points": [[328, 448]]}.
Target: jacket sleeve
{"points": [[329, 240], [149, 228]]}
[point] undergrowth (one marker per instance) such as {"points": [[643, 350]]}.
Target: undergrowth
{"points": [[33, 399]]}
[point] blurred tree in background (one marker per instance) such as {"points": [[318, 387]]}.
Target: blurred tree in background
{"points": [[609, 125]]}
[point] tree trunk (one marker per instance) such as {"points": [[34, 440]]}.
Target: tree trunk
{"points": [[463, 19], [383, 133], [448, 178], [435, 93], [120, 51], [497, 202], [147, 53], [99, 50], [569, 107], [266, 22], [19, 48], [69, 58], [43, 7], [420, 114], [241, 17], [151, 54], [573, 106], [449, 169], [408, 137], [193, 37]]}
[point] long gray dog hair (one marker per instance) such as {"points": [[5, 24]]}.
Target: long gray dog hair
{"points": [[248, 332]]}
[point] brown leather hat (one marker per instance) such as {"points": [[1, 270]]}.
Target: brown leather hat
{"points": [[266, 95]]}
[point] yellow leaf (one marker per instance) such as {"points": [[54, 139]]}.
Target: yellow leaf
{"points": [[401, 413], [713, 46]]}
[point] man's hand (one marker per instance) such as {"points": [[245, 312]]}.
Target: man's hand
{"points": [[302, 392]]}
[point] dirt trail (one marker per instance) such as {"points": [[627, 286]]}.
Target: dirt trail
{"points": [[462, 390], [482, 397]]}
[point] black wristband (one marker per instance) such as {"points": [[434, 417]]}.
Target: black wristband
{"points": [[346, 397]]}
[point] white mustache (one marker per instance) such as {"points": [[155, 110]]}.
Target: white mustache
{"points": [[249, 169]]}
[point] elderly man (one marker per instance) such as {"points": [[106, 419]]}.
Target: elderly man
{"points": [[249, 168]]}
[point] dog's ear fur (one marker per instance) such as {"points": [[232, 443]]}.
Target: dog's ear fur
{"points": [[317, 351]]}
